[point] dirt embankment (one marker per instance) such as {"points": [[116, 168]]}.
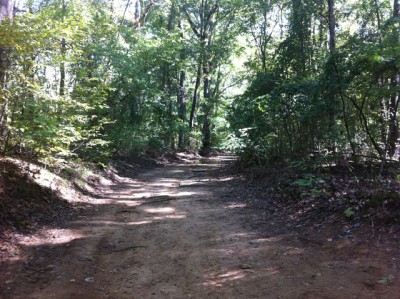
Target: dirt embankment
{"points": [[189, 231]]}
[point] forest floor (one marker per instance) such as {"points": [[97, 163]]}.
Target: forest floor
{"points": [[195, 230]]}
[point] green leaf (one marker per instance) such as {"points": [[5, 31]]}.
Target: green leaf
{"points": [[349, 212]]}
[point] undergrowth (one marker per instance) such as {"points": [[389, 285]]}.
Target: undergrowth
{"points": [[353, 192]]}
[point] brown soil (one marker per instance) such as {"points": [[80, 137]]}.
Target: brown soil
{"points": [[188, 231]]}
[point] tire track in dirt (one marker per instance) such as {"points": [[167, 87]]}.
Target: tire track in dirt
{"points": [[168, 234]]}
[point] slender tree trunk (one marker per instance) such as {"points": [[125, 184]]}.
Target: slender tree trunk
{"points": [[195, 97], [141, 14], [333, 84], [331, 20], [211, 109], [6, 15], [206, 130], [62, 67], [182, 97], [63, 53], [206, 80], [167, 86], [394, 98], [337, 88], [137, 10], [202, 28], [134, 109], [364, 122], [182, 109]]}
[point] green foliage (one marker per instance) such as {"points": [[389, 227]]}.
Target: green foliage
{"points": [[82, 81], [349, 212], [308, 180], [39, 120], [304, 100]]}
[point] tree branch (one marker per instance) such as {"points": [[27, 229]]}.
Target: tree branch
{"points": [[140, 22], [191, 23]]}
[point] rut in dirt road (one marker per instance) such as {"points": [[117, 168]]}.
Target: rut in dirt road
{"points": [[183, 232]]}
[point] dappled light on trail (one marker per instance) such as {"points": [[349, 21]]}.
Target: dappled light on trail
{"points": [[182, 231], [218, 280], [53, 237], [237, 206], [164, 210]]}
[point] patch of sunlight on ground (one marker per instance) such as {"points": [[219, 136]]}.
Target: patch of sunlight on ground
{"points": [[164, 184], [53, 237], [106, 223], [177, 171], [178, 216], [237, 206], [146, 197], [218, 280], [293, 251], [230, 178], [162, 210], [130, 203], [171, 194], [241, 235], [271, 239], [133, 186], [139, 222], [189, 183]]}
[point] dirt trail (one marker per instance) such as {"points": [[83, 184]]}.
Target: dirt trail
{"points": [[181, 232]]}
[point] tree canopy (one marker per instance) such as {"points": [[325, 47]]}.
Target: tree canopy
{"points": [[273, 79]]}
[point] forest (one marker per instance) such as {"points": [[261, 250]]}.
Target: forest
{"points": [[199, 148], [273, 80]]}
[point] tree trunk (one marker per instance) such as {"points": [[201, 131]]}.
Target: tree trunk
{"points": [[182, 109], [206, 130], [331, 20], [134, 109], [208, 108], [181, 97], [168, 87], [195, 97], [6, 14], [63, 53], [206, 146], [332, 88], [137, 10], [202, 28], [6, 9], [394, 98], [62, 67]]}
